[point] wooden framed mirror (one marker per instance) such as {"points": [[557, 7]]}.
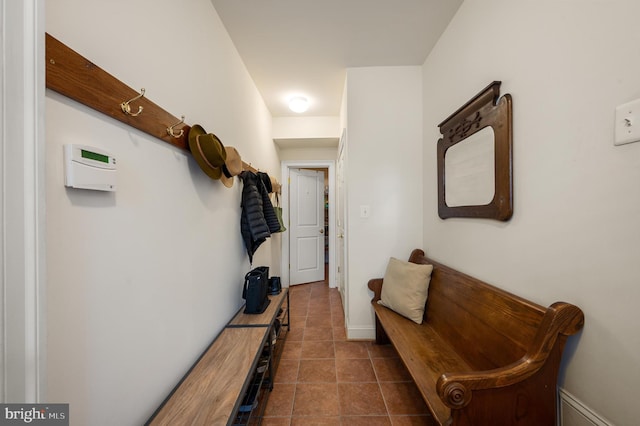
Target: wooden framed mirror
{"points": [[475, 167]]}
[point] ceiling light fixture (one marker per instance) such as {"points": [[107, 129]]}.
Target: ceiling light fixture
{"points": [[298, 104]]}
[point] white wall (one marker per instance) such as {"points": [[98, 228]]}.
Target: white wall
{"points": [[307, 127], [574, 233], [319, 153], [384, 172], [141, 281]]}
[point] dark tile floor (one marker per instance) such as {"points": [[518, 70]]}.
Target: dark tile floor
{"points": [[323, 379]]}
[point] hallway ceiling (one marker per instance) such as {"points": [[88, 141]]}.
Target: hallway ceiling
{"points": [[303, 47]]}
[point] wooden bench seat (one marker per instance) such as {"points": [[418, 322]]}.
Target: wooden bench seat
{"points": [[426, 365], [482, 356], [211, 392]]}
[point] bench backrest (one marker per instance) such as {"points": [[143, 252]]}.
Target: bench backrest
{"points": [[487, 326]]}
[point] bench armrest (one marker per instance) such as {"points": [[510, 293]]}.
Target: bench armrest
{"points": [[375, 285], [455, 389]]}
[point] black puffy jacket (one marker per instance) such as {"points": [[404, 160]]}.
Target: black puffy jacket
{"points": [[258, 219]]}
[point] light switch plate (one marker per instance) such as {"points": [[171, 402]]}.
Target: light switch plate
{"points": [[627, 123], [364, 211]]}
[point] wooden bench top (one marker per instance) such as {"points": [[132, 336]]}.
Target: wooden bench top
{"points": [[264, 319], [211, 392]]}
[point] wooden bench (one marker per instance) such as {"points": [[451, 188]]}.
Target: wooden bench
{"points": [[482, 356], [212, 391]]}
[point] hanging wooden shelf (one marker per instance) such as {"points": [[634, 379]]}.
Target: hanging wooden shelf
{"points": [[74, 76]]}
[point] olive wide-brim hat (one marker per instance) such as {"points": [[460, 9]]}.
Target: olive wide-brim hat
{"points": [[207, 150]]}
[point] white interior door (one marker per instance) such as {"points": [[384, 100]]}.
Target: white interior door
{"points": [[306, 226]]}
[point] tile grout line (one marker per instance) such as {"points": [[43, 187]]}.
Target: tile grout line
{"points": [[334, 309]]}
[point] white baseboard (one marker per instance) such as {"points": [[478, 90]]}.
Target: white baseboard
{"points": [[361, 333], [572, 412]]}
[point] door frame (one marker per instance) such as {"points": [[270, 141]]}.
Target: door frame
{"points": [[284, 202], [342, 204], [22, 203], [299, 186]]}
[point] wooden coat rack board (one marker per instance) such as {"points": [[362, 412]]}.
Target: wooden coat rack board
{"points": [[74, 76]]}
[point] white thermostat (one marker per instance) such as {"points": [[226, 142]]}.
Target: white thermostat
{"points": [[88, 167]]}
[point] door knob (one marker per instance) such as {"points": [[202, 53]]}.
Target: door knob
{"points": [[322, 231]]}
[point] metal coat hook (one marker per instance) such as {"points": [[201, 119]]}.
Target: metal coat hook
{"points": [[126, 108], [170, 129]]}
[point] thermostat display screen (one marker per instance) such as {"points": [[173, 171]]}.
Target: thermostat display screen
{"points": [[95, 156], [87, 167]]}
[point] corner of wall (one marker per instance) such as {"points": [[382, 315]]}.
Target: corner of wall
{"points": [[360, 333]]}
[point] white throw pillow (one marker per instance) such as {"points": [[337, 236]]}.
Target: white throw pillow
{"points": [[405, 288]]}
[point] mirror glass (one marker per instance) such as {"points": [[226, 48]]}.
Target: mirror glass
{"points": [[470, 170]]}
